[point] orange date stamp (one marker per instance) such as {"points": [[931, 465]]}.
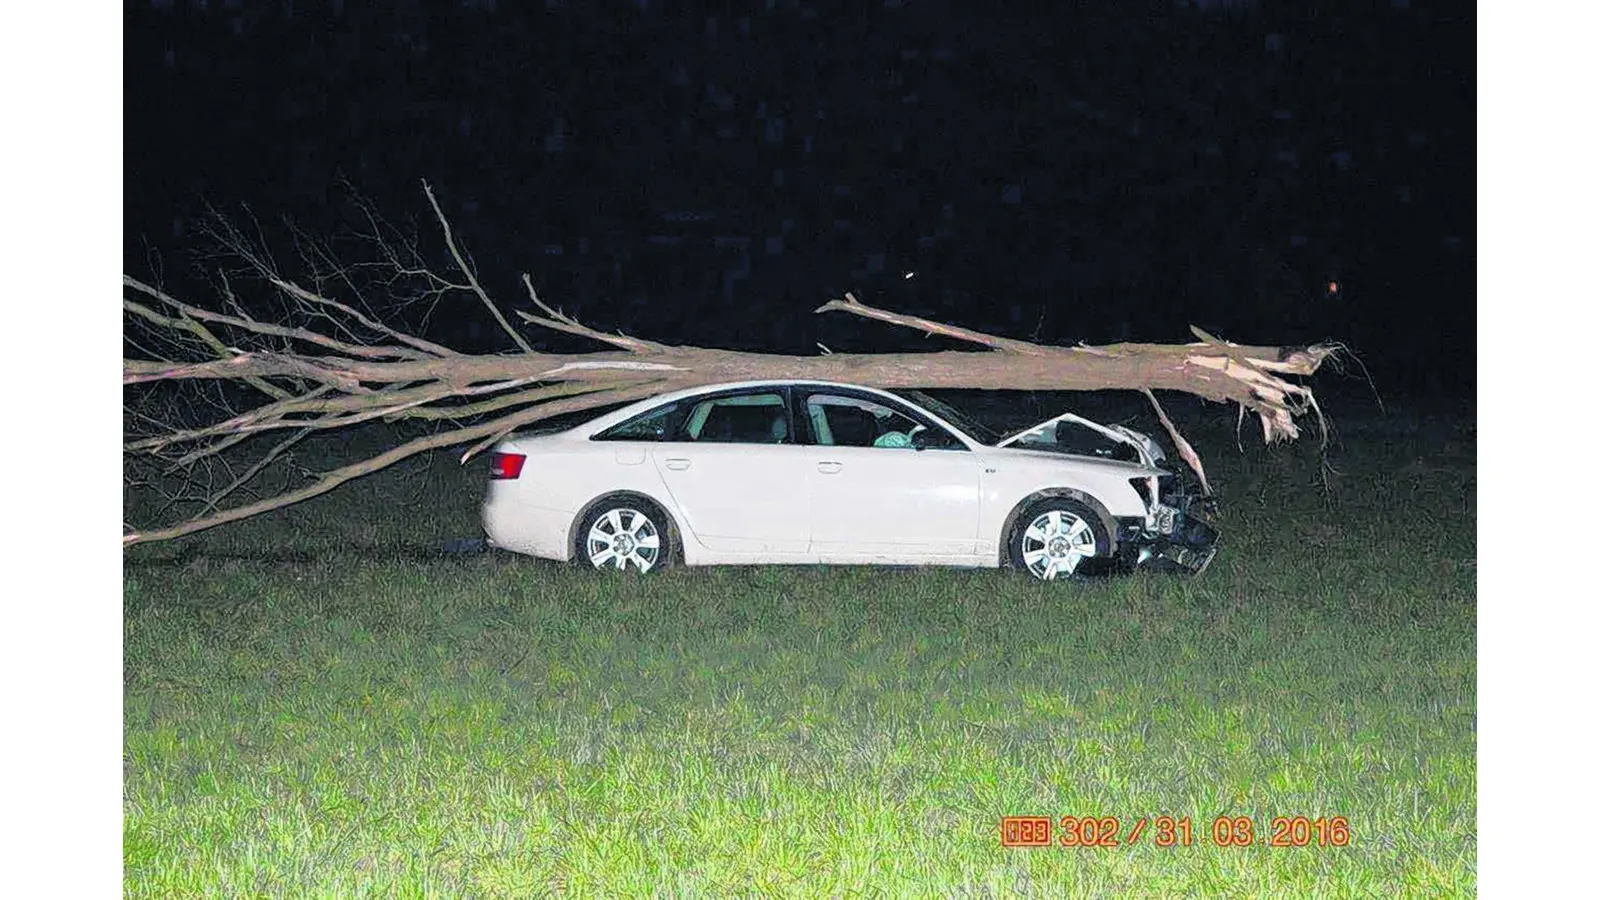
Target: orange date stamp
{"points": [[1173, 831]]}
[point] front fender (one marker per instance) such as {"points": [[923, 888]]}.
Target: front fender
{"points": [[1107, 521]]}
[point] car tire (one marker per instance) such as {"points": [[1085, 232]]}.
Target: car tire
{"points": [[626, 533], [1053, 537]]}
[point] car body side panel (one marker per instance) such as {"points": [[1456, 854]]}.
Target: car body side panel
{"points": [[514, 525], [900, 505], [534, 513], [1010, 476], [848, 557], [750, 500]]}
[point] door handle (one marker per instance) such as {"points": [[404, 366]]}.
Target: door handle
{"points": [[677, 464], [829, 468]]}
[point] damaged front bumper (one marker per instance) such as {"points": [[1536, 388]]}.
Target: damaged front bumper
{"points": [[1176, 537]]}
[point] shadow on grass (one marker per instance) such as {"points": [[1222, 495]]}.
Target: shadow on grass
{"points": [[456, 551]]}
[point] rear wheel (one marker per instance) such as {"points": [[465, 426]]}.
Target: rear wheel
{"points": [[625, 533], [1054, 536]]}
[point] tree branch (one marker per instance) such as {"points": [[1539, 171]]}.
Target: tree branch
{"points": [[1185, 452], [472, 279], [178, 414], [327, 481], [562, 322], [851, 305]]}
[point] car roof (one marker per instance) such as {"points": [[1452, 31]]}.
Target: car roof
{"points": [[761, 382], [606, 420]]}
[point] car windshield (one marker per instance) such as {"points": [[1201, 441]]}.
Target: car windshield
{"points": [[976, 430]]}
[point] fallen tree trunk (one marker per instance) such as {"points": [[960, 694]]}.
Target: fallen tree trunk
{"points": [[355, 369]]}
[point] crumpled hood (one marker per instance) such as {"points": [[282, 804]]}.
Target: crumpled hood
{"points": [[1150, 453]]}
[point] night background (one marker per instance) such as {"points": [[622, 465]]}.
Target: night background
{"points": [[709, 173], [354, 695]]}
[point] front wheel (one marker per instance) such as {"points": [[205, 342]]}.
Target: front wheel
{"points": [[1053, 537], [625, 533]]}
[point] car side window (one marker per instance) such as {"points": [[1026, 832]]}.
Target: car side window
{"points": [[844, 421], [757, 418], [654, 425]]}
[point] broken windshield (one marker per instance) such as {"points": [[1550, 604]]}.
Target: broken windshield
{"points": [[1078, 439]]}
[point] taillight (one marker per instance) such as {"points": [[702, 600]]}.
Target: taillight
{"points": [[505, 466]]}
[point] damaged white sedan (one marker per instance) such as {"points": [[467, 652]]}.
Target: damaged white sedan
{"points": [[816, 472]]}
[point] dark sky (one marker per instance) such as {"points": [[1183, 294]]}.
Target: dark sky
{"points": [[711, 172]]}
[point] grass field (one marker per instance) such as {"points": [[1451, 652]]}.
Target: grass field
{"points": [[318, 705]]}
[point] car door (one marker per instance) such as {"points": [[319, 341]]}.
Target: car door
{"points": [[738, 477], [887, 484]]}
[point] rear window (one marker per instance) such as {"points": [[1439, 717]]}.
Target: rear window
{"points": [[730, 419], [740, 419], [654, 425]]}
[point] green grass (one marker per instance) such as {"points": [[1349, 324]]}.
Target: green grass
{"points": [[339, 717]]}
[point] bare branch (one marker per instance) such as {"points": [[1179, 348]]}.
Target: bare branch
{"points": [[1185, 452], [538, 395], [428, 348], [472, 278], [267, 328], [330, 480], [253, 471], [242, 366], [561, 322], [188, 324], [851, 305]]}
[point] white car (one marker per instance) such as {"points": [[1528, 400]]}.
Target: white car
{"points": [[815, 472]]}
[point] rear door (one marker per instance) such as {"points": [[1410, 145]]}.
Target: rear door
{"points": [[738, 476]]}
